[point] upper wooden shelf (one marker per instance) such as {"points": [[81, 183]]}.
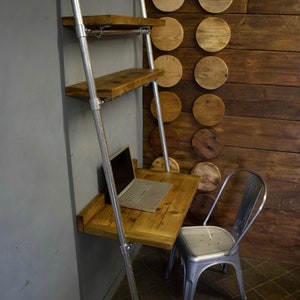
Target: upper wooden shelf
{"points": [[116, 84], [114, 21]]}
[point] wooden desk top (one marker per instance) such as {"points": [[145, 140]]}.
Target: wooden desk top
{"points": [[158, 229]]}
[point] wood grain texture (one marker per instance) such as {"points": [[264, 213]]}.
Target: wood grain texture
{"points": [[211, 72], [168, 5], [213, 34], [260, 129], [116, 84], [168, 37], [209, 109], [209, 175], [172, 139], [89, 212], [172, 70], [244, 100], [274, 7], [170, 105], [261, 133], [159, 165], [248, 66], [157, 229], [193, 6], [114, 20], [215, 6], [248, 32], [207, 144]]}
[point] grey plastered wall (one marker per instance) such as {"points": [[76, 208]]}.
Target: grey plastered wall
{"points": [[49, 154], [37, 245], [100, 260]]}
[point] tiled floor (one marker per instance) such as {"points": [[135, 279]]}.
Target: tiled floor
{"points": [[264, 280]]}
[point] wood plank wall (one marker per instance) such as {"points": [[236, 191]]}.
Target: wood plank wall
{"points": [[260, 129]]}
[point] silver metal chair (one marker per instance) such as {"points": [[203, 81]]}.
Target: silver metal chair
{"points": [[201, 247]]}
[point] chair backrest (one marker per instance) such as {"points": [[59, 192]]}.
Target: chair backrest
{"points": [[252, 202]]}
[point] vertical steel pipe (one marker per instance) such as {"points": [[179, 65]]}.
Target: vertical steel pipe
{"points": [[155, 91], [96, 109]]}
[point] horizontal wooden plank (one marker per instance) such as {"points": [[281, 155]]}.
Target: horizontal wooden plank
{"points": [[114, 21], [262, 32], [237, 6], [275, 7], [243, 100], [263, 101], [277, 227], [116, 84], [279, 166], [244, 132], [280, 169], [248, 32], [249, 67], [260, 133], [263, 67]]}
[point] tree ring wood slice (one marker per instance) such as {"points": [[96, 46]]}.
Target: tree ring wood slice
{"points": [[159, 165], [168, 37], [215, 6], [170, 105], [213, 34], [209, 174], [207, 144], [168, 5], [172, 70], [209, 110], [211, 72], [172, 139]]}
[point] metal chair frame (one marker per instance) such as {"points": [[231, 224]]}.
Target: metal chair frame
{"points": [[221, 246]]}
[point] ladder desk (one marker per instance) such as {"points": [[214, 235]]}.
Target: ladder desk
{"points": [[159, 228]]}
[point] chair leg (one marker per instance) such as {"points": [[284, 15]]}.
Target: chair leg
{"points": [[189, 290], [191, 277], [171, 261], [239, 276], [224, 268]]}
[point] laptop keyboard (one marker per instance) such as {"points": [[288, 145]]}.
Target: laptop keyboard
{"points": [[136, 192]]}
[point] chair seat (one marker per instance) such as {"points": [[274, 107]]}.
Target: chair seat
{"points": [[205, 242]]}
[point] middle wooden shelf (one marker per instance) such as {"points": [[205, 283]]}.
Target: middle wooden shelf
{"points": [[116, 84]]}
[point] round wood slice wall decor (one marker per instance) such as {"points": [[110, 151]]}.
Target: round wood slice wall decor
{"points": [[168, 5], [159, 165], [211, 72], [173, 70], [170, 105], [168, 37], [213, 34], [210, 176], [207, 144], [172, 139], [209, 110], [215, 6]]}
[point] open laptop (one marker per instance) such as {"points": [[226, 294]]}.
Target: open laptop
{"points": [[133, 192]]}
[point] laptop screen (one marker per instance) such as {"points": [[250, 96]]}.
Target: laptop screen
{"points": [[123, 172]]}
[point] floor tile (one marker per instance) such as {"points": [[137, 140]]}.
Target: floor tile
{"points": [[271, 290], [288, 283], [253, 295], [264, 280], [253, 278], [295, 296], [272, 269]]}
